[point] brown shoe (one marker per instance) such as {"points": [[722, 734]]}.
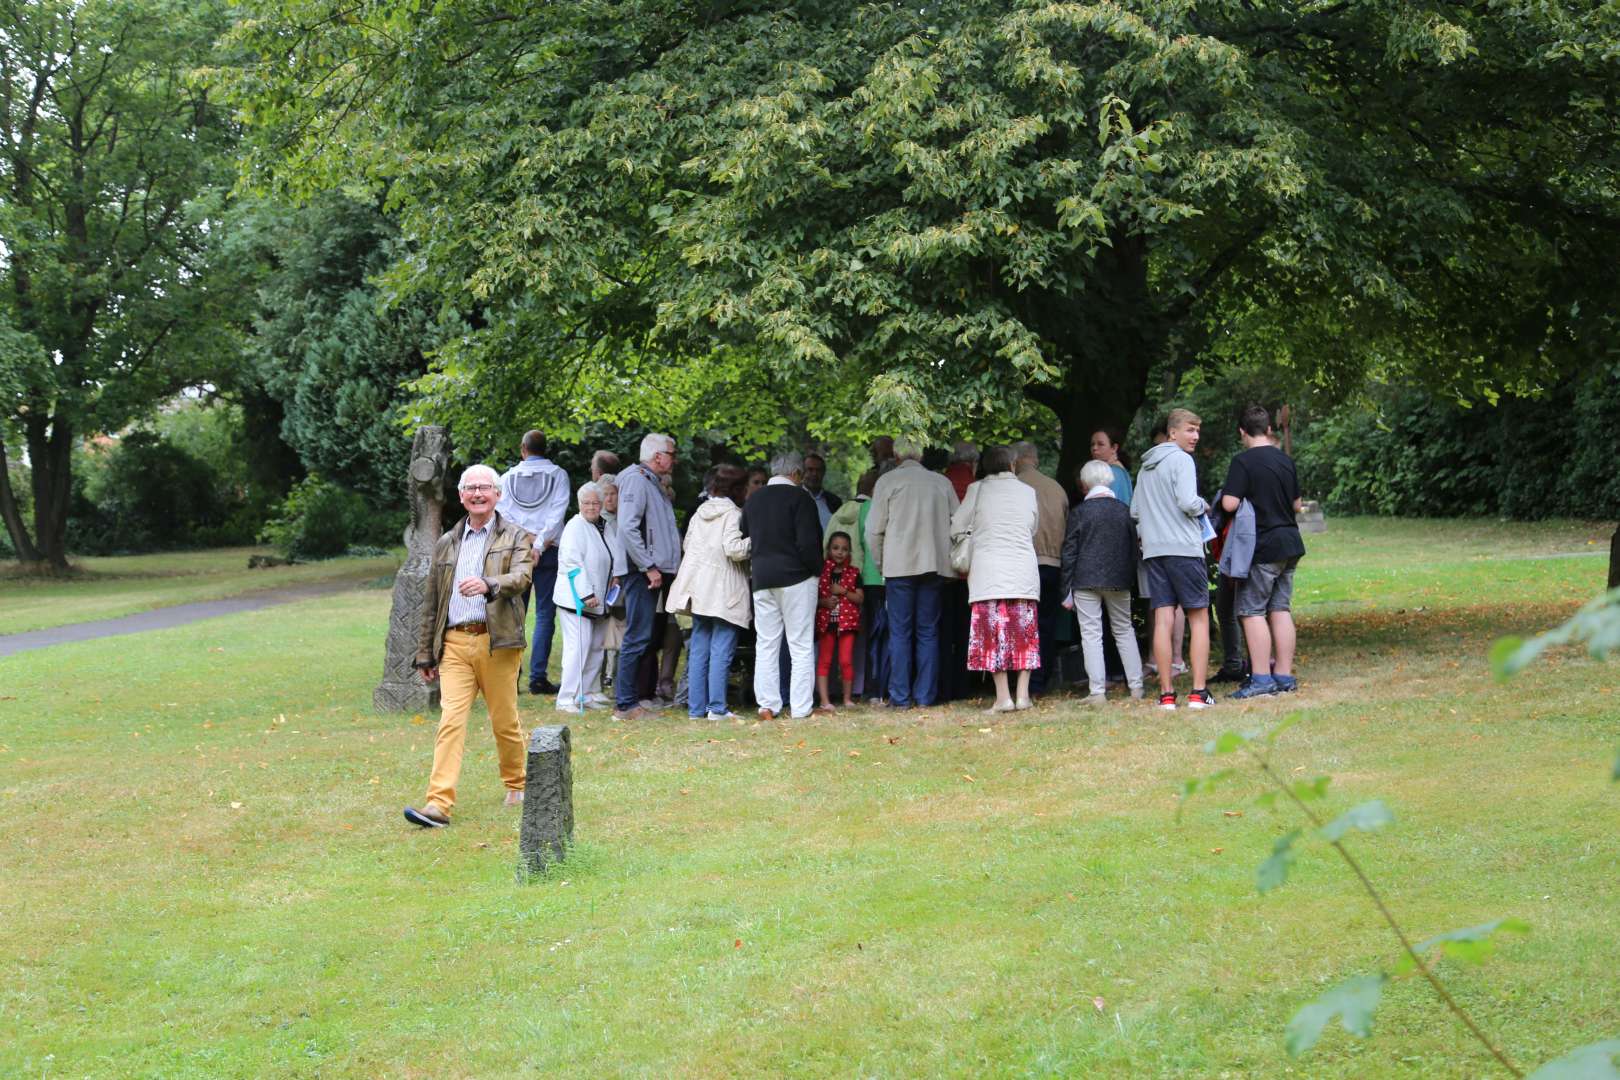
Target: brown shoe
{"points": [[767, 714], [514, 798], [429, 817], [634, 713]]}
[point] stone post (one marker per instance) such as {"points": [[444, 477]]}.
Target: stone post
{"points": [[402, 689], [548, 798]]}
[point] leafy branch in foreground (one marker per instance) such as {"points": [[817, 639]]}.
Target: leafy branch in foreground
{"points": [[1596, 625], [1355, 1000]]}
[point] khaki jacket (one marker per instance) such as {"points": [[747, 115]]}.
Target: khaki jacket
{"points": [[1054, 506], [508, 562], [713, 579], [908, 529]]}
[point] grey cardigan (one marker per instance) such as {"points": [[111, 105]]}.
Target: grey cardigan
{"points": [[1099, 547]]}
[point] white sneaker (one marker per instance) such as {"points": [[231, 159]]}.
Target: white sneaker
{"points": [[1095, 699], [597, 701], [721, 717], [1178, 668], [569, 707]]}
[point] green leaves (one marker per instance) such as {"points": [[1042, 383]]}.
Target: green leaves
{"points": [[1596, 1061], [1365, 818], [1274, 871], [1597, 624], [1470, 945], [1353, 1002]]}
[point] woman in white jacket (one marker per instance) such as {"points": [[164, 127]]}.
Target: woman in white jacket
{"points": [[712, 586], [585, 565], [1000, 515]]}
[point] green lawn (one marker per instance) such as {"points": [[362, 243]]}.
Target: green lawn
{"points": [[109, 587], [206, 875]]}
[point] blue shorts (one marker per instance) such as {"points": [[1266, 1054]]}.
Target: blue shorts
{"points": [[1177, 581]]}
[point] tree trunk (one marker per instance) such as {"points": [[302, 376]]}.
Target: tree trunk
{"points": [[1110, 354], [1614, 560], [21, 542], [50, 454]]}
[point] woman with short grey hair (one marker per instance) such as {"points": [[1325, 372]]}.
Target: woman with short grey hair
{"points": [[1099, 567], [585, 581]]}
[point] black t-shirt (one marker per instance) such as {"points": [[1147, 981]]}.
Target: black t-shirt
{"points": [[1265, 476]]}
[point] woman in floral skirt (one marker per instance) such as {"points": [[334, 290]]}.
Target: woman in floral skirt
{"points": [[998, 517]]}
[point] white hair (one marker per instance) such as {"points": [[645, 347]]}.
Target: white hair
{"points": [[607, 480], [788, 464], [1096, 474], [908, 450], [1025, 451], [589, 487], [655, 444], [480, 470], [966, 453]]}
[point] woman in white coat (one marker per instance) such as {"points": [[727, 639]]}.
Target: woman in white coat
{"points": [[712, 586], [999, 517], [585, 564]]}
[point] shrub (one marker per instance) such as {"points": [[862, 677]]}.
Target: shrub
{"points": [[320, 520], [144, 494]]}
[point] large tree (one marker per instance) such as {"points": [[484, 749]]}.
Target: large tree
{"points": [[109, 304], [913, 215]]}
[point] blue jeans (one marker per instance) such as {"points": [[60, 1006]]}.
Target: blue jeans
{"points": [[877, 643], [639, 602], [708, 660], [545, 615], [913, 607]]}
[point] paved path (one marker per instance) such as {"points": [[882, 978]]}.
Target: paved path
{"points": [[164, 618]]}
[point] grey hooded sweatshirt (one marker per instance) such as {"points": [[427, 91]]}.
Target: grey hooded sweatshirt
{"points": [[1166, 505]]}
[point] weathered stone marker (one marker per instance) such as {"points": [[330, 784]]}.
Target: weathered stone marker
{"points": [[1311, 519], [402, 689], [548, 798]]}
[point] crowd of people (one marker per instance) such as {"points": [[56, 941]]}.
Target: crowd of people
{"points": [[897, 597]]}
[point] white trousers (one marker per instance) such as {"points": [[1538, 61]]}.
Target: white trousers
{"points": [[581, 656], [791, 609], [1088, 608]]}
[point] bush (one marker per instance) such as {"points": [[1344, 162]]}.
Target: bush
{"points": [[320, 520], [144, 494], [1409, 453]]}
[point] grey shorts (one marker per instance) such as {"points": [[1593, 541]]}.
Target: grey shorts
{"points": [[1269, 587]]}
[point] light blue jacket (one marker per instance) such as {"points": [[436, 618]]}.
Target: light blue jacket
{"points": [[1166, 506]]}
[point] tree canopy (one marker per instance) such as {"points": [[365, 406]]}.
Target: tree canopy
{"points": [[913, 216]]}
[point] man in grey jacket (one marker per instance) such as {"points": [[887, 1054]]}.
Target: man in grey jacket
{"points": [[1170, 519], [534, 496], [652, 548]]}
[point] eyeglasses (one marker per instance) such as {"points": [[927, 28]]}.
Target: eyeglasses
{"points": [[477, 488]]}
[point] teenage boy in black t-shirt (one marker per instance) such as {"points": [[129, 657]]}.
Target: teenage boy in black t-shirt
{"points": [[1265, 476]]}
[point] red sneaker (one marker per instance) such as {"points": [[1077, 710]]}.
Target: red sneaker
{"points": [[1168, 700], [1200, 699]]}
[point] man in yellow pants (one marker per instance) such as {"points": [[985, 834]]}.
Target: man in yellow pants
{"points": [[472, 639]]}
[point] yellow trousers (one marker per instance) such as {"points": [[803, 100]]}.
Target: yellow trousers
{"points": [[467, 669]]}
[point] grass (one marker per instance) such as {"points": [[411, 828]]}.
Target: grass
{"points": [[206, 874], [105, 588]]}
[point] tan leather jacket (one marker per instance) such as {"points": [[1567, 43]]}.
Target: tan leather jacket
{"points": [[508, 562]]}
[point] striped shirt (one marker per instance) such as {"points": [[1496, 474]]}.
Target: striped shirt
{"points": [[466, 609]]}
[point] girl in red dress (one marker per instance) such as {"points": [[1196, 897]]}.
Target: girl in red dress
{"points": [[838, 617]]}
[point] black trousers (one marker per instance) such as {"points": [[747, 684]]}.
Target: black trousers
{"points": [[1048, 611], [954, 613]]}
